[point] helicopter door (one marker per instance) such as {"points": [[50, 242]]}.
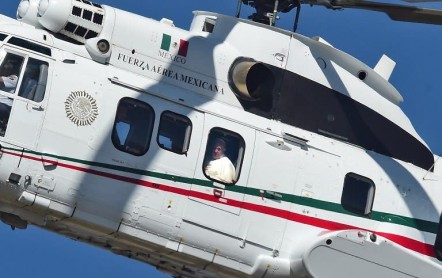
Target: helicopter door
{"points": [[23, 106], [274, 171], [221, 175]]}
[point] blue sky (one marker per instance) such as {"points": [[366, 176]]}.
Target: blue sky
{"points": [[366, 35]]}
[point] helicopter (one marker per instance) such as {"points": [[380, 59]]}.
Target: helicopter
{"points": [[268, 195]]}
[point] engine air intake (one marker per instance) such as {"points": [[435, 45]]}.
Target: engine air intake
{"points": [[251, 80]]}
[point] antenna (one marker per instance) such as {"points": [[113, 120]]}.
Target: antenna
{"points": [[238, 8], [275, 13], [431, 168], [298, 12]]}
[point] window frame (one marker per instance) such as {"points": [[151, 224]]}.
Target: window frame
{"points": [[240, 152], [150, 127], [365, 210], [187, 135]]}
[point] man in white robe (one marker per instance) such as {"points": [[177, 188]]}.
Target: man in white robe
{"points": [[220, 167]]}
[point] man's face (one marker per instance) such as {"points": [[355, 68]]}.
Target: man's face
{"points": [[218, 151], [8, 68]]}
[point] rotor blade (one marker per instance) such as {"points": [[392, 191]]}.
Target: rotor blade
{"points": [[394, 11], [421, 1]]}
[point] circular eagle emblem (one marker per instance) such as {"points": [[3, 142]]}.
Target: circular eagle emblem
{"points": [[81, 108]]}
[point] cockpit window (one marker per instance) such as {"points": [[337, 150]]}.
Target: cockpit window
{"points": [[30, 45], [33, 86], [2, 37], [9, 74]]}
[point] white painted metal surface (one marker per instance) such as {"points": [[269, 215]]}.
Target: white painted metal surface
{"points": [[285, 215]]}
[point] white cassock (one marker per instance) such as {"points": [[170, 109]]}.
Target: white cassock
{"points": [[221, 169]]}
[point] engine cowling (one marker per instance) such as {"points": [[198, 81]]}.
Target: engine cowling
{"points": [[78, 20], [251, 80]]}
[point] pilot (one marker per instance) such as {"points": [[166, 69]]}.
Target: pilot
{"points": [[9, 76], [220, 167], [8, 83]]}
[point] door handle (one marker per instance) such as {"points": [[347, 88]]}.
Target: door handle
{"points": [[38, 108]]}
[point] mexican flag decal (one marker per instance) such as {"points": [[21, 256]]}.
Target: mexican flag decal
{"points": [[167, 41]]}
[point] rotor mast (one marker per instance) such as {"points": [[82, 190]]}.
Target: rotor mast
{"points": [[267, 10]]}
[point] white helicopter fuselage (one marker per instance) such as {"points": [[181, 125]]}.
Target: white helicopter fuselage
{"points": [[307, 200]]}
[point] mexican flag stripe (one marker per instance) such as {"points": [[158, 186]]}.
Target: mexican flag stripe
{"points": [[165, 44], [184, 46]]}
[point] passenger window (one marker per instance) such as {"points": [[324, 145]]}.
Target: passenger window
{"points": [[438, 243], [224, 155], [33, 86], [174, 132], [9, 73], [358, 194], [133, 126]]}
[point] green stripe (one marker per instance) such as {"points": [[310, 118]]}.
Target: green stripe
{"points": [[165, 44], [422, 225]]}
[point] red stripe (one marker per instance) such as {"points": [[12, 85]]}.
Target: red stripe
{"points": [[184, 46], [415, 245], [420, 247]]}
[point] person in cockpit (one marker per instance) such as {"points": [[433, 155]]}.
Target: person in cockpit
{"points": [[9, 75], [8, 82]]}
